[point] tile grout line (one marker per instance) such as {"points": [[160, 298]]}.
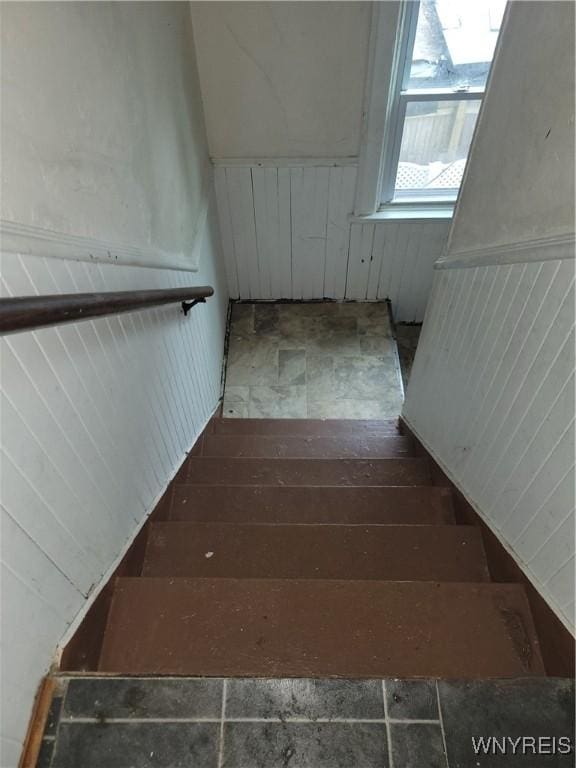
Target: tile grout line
{"points": [[222, 720], [441, 719], [323, 720], [406, 721], [387, 723], [63, 689], [281, 720], [137, 720]]}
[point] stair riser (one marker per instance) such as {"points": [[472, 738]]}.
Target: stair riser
{"points": [[306, 427], [394, 553], [296, 628], [306, 447], [308, 472], [269, 504]]}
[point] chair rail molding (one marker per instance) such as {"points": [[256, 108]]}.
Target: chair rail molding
{"points": [[552, 248], [31, 240], [285, 162]]}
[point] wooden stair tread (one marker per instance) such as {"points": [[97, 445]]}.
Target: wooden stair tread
{"points": [[291, 446], [297, 504], [302, 628], [393, 552], [307, 472], [317, 427]]}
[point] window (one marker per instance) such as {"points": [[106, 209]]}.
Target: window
{"points": [[444, 52]]}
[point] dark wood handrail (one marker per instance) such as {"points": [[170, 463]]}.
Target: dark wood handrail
{"points": [[27, 312]]}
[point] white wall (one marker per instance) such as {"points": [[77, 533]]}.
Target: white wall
{"points": [[102, 129], [283, 91], [287, 234], [520, 184], [491, 393], [96, 416], [282, 79]]}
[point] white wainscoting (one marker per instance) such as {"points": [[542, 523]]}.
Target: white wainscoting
{"points": [[287, 234], [96, 418], [395, 260], [491, 394]]}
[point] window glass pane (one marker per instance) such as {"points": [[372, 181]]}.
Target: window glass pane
{"points": [[455, 41], [435, 143]]}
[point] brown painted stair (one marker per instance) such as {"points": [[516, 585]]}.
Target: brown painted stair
{"points": [[314, 549]]}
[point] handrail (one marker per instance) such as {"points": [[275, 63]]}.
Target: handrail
{"points": [[27, 312]]}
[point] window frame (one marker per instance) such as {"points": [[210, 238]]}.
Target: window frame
{"points": [[401, 96], [388, 194], [386, 101]]}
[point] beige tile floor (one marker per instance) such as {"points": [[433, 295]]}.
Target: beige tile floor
{"points": [[312, 360]]}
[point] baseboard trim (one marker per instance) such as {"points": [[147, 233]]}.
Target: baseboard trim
{"points": [[556, 641], [33, 740]]}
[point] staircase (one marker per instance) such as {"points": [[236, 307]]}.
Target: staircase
{"points": [[302, 548]]}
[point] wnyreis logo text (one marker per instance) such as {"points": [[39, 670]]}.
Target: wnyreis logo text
{"points": [[522, 745]]}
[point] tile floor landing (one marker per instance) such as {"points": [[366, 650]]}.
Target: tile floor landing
{"points": [[301, 723], [312, 360]]}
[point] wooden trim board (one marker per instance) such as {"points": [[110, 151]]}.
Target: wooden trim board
{"points": [[551, 248], [33, 740]]}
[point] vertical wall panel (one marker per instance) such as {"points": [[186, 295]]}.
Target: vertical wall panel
{"points": [[96, 418], [433, 237], [386, 244], [273, 222], [342, 185], [359, 259], [411, 274], [225, 221], [376, 262], [282, 278], [399, 265], [241, 201], [32, 587], [265, 190], [541, 528], [492, 395], [287, 235], [309, 196]]}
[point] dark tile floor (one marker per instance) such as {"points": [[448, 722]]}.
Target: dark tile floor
{"points": [[213, 723]]}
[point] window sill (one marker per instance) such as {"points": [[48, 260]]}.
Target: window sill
{"points": [[400, 212]]}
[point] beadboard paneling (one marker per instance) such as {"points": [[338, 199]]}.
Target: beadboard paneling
{"points": [[96, 418], [491, 394], [395, 260], [287, 234]]}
